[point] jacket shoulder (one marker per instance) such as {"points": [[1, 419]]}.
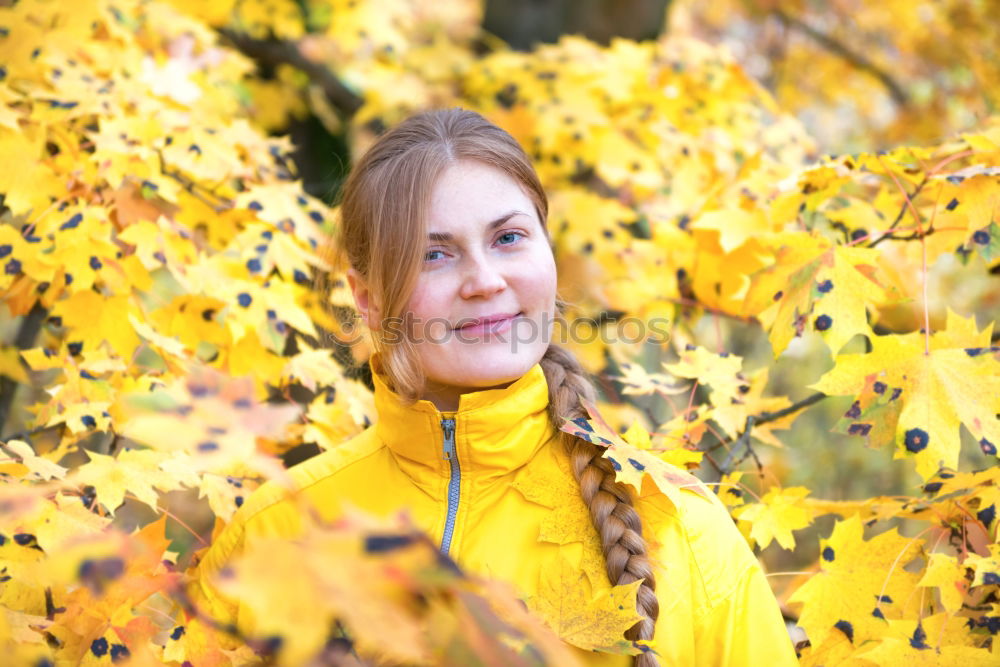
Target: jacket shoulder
{"points": [[312, 471], [696, 533]]}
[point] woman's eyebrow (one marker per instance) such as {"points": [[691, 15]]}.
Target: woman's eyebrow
{"points": [[447, 236]]}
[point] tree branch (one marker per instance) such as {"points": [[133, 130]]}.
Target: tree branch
{"points": [[764, 418], [273, 52], [27, 333], [858, 60]]}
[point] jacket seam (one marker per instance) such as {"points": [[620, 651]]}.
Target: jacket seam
{"points": [[737, 582]]}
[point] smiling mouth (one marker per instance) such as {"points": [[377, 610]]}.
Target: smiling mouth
{"points": [[489, 325]]}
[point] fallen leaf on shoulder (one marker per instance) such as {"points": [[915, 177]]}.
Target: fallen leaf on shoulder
{"points": [[631, 463]]}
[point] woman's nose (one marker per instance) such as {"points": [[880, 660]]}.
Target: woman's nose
{"points": [[482, 278]]}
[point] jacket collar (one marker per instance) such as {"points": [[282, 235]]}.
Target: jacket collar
{"points": [[496, 430]]}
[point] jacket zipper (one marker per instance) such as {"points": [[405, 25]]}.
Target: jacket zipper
{"points": [[454, 482]]}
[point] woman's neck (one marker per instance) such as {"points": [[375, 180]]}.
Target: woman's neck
{"points": [[446, 397]]}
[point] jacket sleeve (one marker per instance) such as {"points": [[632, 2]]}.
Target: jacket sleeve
{"points": [[746, 628]]}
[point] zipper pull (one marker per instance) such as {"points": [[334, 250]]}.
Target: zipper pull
{"points": [[448, 426]]}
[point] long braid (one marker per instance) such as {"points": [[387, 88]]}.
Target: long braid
{"points": [[611, 505]]}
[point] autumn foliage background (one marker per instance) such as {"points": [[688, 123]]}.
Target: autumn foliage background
{"points": [[807, 191]]}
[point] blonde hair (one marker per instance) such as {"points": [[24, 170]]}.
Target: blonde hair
{"points": [[382, 234]]}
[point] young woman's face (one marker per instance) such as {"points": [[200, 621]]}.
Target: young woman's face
{"points": [[487, 257]]}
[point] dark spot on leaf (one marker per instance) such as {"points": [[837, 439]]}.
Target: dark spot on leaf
{"points": [[854, 411], [13, 267], [267, 234], [255, 206], [991, 623], [991, 578], [24, 539], [208, 314], [988, 447], [638, 466], [88, 421], [919, 638], [981, 237], [177, 633], [825, 286], [238, 500], [823, 322], [883, 598], [582, 423], [859, 428], [987, 514], [857, 234], [300, 277], [877, 613], [895, 393], [244, 299], [615, 464], [208, 446], [99, 647], [828, 553], [316, 216], [846, 628], [383, 543], [915, 439], [253, 265], [932, 487], [975, 351], [119, 652], [879, 387], [952, 204], [272, 645]]}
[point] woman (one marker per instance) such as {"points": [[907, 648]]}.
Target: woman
{"points": [[451, 267]]}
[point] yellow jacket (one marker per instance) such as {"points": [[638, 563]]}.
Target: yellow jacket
{"points": [[503, 503]]}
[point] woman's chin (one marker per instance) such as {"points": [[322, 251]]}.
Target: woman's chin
{"points": [[483, 368]]}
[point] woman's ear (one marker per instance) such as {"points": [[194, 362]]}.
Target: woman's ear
{"points": [[362, 297]]}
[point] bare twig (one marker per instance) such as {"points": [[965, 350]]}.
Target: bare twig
{"points": [[765, 417], [899, 216], [272, 52], [855, 58]]}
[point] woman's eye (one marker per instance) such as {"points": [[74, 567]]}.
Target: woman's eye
{"points": [[431, 255], [511, 237]]}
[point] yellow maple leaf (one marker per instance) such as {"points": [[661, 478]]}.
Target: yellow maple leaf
{"points": [[861, 583], [39, 466], [720, 371], [595, 622], [632, 464], [778, 513], [941, 640], [945, 573], [113, 477], [952, 379]]}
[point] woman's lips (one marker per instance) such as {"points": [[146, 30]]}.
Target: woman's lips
{"points": [[492, 324]]}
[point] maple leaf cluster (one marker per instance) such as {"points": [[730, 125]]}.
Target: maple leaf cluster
{"points": [[182, 332]]}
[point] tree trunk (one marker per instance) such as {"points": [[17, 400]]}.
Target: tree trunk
{"points": [[523, 23]]}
